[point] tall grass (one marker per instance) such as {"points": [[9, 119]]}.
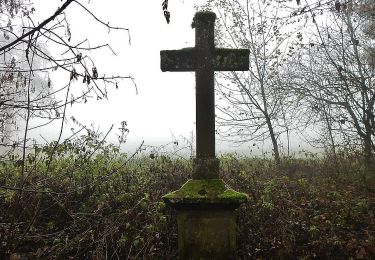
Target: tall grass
{"points": [[82, 201]]}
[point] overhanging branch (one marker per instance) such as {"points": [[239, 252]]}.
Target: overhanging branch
{"points": [[58, 12]]}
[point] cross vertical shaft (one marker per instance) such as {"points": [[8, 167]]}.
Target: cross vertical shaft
{"points": [[205, 59], [205, 94], [205, 114]]}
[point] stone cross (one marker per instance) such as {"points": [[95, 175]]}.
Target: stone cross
{"points": [[204, 59], [206, 206]]}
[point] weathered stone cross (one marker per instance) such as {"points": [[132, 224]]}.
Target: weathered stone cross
{"points": [[206, 206], [204, 59]]}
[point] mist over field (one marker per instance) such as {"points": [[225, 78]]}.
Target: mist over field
{"points": [[204, 129]]}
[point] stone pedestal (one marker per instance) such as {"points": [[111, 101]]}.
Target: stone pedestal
{"points": [[206, 217]]}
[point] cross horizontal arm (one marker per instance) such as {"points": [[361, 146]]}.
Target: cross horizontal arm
{"points": [[187, 60], [178, 60], [231, 59]]}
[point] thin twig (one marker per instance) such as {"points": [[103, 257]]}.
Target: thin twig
{"points": [[44, 23]]}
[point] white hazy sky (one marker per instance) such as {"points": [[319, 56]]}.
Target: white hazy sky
{"points": [[165, 103]]}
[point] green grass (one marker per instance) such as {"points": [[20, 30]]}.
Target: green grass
{"points": [[84, 202]]}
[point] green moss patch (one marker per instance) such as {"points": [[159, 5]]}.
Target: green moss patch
{"points": [[211, 191]]}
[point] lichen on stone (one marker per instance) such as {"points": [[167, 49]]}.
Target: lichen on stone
{"points": [[205, 191]]}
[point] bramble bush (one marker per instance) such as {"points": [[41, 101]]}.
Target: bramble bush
{"points": [[84, 199]]}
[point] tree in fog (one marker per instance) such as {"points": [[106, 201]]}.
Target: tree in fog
{"points": [[31, 53], [333, 74], [250, 104]]}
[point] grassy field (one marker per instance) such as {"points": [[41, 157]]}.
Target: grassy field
{"points": [[82, 201]]}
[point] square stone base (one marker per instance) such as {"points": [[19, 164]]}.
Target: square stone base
{"points": [[206, 234]]}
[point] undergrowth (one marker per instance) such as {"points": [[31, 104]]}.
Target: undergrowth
{"points": [[86, 200]]}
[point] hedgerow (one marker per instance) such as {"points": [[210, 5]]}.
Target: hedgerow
{"points": [[84, 199]]}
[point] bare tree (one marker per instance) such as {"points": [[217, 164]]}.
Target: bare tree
{"points": [[250, 103], [30, 54], [27, 91], [365, 9], [333, 74]]}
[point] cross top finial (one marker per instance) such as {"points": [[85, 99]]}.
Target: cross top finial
{"points": [[204, 16], [204, 24]]}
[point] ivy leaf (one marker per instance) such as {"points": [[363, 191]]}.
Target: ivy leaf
{"points": [[73, 74], [94, 73], [165, 5], [167, 14], [9, 25], [337, 6], [79, 57], [6, 36], [68, 33]]}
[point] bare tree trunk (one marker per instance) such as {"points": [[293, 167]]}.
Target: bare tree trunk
{"points": [[269, 123], [332, 140], [274, 141], [367, 151]]}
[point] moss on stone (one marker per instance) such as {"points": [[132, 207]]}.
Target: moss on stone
{"points": [[205, 191]]}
